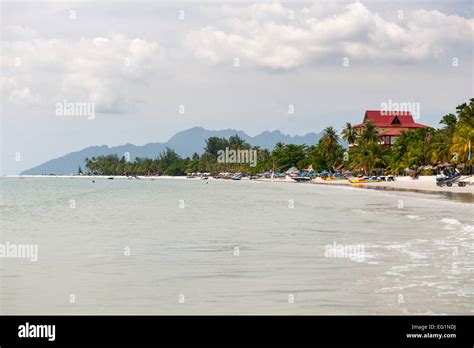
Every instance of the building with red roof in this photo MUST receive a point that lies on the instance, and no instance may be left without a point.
(389, 124)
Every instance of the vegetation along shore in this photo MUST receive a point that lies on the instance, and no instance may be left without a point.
(420, 150)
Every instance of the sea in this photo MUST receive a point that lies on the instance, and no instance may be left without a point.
(169, 246)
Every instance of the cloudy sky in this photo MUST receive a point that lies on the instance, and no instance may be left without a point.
(152, 69)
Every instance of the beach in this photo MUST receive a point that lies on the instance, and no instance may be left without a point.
(423, 183)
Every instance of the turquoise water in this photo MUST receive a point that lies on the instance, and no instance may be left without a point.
(187, 246)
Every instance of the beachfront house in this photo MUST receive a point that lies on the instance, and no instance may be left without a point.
(389, 124)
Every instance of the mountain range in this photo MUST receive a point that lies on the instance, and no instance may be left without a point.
(185, 143)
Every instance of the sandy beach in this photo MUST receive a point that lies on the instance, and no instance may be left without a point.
(423, 183)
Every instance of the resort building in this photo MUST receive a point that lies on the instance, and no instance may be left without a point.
(389, 124)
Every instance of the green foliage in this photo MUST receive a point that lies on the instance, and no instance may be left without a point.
(289, 155)
(368, 156)
(167, 163)
(349, 134)
(412, 149)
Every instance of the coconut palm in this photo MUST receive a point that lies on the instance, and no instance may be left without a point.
(330, 138)
(440, 147)
(369, 132)
(463, 139)
(370, 155)
(463, 135)
(349, 134)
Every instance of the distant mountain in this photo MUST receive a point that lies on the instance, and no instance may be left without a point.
(185, 143)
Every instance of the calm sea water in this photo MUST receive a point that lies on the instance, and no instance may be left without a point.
(415, 253)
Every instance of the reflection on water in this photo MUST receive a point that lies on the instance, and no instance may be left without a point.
(185, 246)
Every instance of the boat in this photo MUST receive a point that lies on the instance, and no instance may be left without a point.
(301, 178)
(236, 176)
(372, 179)
(364, 180)
(356, 180)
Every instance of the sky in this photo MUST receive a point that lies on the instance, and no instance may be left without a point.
(149, 69)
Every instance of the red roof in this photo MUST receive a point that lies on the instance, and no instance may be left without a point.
(393, 131)
(390, 119)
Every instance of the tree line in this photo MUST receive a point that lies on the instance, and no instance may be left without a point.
(451, 143)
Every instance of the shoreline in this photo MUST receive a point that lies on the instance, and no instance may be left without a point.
(423, 185)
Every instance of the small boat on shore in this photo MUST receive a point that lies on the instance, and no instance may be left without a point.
(237, 176)
(364, 180)
(356, 180)
(301, 178)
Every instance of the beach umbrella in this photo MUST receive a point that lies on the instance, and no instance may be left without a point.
(292, 170)
(408, 170)
(324, 172)
(346, 172)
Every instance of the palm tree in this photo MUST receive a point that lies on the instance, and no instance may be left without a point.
(369, 132)
(237, 143)
(463, 139)
(440, 150)
(370, 155)
(330, 137)
(466, 114)
(463, 135)
(349, 134)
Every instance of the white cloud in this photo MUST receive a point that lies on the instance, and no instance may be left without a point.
(101, 70)
(18, 32)
(7, 83)
(265, 35)
(23, 96)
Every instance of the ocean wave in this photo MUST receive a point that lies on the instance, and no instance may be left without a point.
(415, 217)
(359, 211)
(453, 224)
(468, 228)
(451, 221)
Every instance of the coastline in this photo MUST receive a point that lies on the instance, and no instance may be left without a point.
(406, 183)
(424, 185)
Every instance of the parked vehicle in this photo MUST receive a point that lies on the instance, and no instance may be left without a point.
(449, 179)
